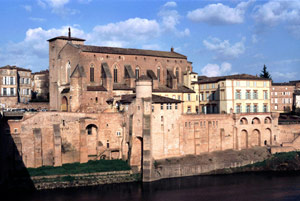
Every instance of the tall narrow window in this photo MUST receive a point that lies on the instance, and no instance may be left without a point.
(177, 74)
(92, 78)
(115, 74)
(137, 72)
(68, 71)
(158, 74)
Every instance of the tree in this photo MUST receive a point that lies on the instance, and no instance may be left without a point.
(265, 73)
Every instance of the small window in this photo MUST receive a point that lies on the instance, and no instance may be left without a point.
(118, 133)
(176, 106)
(16, 130)
(89, 130)
(162, 118)
(107, 144)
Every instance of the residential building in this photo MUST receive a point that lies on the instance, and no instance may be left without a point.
(15, 85)
(282, 97)
(241, 93)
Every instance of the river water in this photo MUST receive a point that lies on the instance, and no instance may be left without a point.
(235, 187)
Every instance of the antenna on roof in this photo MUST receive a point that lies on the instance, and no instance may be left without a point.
(69, 33)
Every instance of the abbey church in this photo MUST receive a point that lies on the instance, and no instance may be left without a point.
(142, 106)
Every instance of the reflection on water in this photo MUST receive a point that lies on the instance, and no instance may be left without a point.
(240, 187)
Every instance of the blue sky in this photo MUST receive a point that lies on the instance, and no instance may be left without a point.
(219, 37)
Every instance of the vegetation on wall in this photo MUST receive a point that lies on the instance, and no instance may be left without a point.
(80, 168)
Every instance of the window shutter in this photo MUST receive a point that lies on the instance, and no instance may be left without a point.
(14, 91)
(7, 80)
(14, 80)
(8, 91)
(2, 91)
(3, 79)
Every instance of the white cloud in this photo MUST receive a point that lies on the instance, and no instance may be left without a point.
(274, 13)
(218, 14)
(170, 18)
(170, 4)
(27, 8)
(223, 49)
(57, 7)
(213, 70)
(131, 30)
(284, 76)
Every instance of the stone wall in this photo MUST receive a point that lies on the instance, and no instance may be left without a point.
(79, 180)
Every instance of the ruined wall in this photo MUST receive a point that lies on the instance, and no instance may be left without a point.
(51, 138)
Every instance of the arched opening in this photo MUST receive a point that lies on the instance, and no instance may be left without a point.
(267, 136)
(92, 138)
(243, 121)
(255, 138)
(244, 139)
(158, 73)
(64, 104)
(255, 120)
(137, 72)
(268, 120)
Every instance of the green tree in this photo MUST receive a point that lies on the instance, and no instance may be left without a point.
(265, 73)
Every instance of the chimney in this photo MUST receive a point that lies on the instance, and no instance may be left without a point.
(69, 35)
(172, 49)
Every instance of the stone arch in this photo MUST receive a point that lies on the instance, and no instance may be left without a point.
(243, 121)
(254, 139)
(255, 120)
(267, 137)
(92, 139)
(268, 120)
(244, 139)
(64, 104)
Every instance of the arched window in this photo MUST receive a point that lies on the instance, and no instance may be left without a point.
(158, 74)
(177, 74)
(115, 74)
(137, 72)
(92, 78)
(68, 71)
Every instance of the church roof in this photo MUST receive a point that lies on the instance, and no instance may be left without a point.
(155, 99)
(130, 51)
(65, 38)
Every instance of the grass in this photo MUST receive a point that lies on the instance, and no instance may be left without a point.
(277, 158)
(80, 168)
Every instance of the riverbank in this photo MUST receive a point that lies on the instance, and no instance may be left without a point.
(279, 162)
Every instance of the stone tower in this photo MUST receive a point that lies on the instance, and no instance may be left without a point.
(143, 112)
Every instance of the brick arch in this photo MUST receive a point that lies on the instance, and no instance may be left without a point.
(243, 121)
(255, 120)
(92, 139)
(64, 104)
(255, 137)
(267, 137)
(268, 120)
(244, 139)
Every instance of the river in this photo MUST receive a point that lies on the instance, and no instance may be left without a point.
(235, 187)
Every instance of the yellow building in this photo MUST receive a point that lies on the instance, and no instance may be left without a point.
(240, 93)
